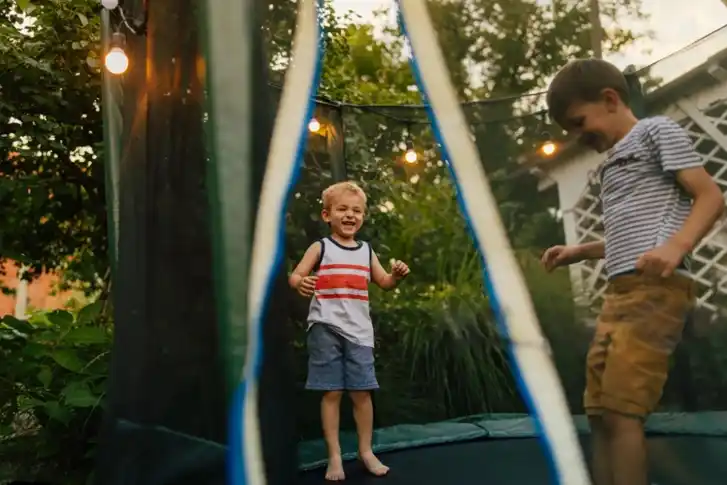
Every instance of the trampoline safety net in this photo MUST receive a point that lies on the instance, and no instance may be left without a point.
(447, 410)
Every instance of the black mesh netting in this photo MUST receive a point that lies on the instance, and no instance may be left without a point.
(438, 354)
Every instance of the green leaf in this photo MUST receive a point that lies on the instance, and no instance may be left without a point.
(23, 4)
(57, 411)
(83, 19)
(45, 376)
(15, 324)
(30, 403)
(79, 395)
(90, 313)
(87, 335)
(68, 359)
(34, 349)
(60, 318)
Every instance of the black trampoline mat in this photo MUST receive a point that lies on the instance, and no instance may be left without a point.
(674, 460)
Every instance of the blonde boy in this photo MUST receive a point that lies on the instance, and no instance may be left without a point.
(340, 331)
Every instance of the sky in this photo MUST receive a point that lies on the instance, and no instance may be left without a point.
(675, 23)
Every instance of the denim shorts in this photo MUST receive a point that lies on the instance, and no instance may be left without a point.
(336, 364)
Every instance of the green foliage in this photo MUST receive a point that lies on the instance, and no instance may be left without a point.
(439, 354)
(52, 384)
(51, 172)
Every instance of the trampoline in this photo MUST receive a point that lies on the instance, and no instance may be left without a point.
(505, 450)
(215, 403)
(676, 460)
(684, 449)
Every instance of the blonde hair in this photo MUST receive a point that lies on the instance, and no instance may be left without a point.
(334, 191)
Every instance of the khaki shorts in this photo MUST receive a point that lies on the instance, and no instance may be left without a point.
(640, 325)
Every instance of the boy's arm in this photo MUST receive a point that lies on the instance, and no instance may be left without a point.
(707, 208)
(380, 276)
(592, 250)
(306, 265)
(677, 155)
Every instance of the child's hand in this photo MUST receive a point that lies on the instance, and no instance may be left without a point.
(557, 256)
(307, 286)
(399, 269)
(662, 260)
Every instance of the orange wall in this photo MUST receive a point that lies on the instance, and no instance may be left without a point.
(7, 302)
(39, 291)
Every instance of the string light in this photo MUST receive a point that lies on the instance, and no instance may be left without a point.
(314, 126)
(116, 60)
(411, 156)
(110, 4)
(549, 148)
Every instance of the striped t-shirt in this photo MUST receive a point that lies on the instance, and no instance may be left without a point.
(643, 204)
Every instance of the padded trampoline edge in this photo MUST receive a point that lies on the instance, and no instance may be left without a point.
(167, 456)
(312, 454)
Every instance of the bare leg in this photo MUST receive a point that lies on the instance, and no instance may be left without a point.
(330, 416)
(363, 414)
(600, 452)
(627, 445)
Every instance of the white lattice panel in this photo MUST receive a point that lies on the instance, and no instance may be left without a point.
(709, 261)
(587, 215)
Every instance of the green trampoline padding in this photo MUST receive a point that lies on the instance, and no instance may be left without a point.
(312, 454)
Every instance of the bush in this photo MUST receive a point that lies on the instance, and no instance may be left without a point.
(52, 384)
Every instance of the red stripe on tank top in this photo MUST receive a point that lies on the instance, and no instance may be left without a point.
(342, 296)
(345, 266)
(342, 281)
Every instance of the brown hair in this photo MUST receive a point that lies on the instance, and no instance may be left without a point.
(583, 80)
(333, 191)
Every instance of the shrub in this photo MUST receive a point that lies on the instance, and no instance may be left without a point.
(52, 383)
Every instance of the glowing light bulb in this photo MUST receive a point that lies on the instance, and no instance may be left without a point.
(116, 61)
(410, 156)
(549, 148)
(110, 4)
(314, 126)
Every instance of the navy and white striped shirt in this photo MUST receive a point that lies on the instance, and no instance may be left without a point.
(643, 204)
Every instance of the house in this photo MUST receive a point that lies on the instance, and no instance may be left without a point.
(697, 100)
(41, 293)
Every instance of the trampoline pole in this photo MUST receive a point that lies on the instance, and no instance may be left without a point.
(335, 137)
(511, 302)
(112, 123)
(261, 429)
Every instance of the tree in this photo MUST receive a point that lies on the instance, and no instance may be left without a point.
(505, 49)
(50, 103)
(51, 169)
(494, 50)
(411, 206)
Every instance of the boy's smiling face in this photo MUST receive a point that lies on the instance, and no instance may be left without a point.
(597, 124)
(345, 215)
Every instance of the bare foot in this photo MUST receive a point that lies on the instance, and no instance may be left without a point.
(373, 465)
(334, 472)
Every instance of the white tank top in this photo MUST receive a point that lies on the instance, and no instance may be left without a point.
(341, 299)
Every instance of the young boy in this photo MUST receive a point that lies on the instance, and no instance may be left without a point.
(658, 202)
(340, 332)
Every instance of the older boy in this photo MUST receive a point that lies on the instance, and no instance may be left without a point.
(658, 202)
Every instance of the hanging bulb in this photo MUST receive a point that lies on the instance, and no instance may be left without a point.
(314, 125)
(116, 60)
(110, 4)
(411, 156)
(548, 148)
